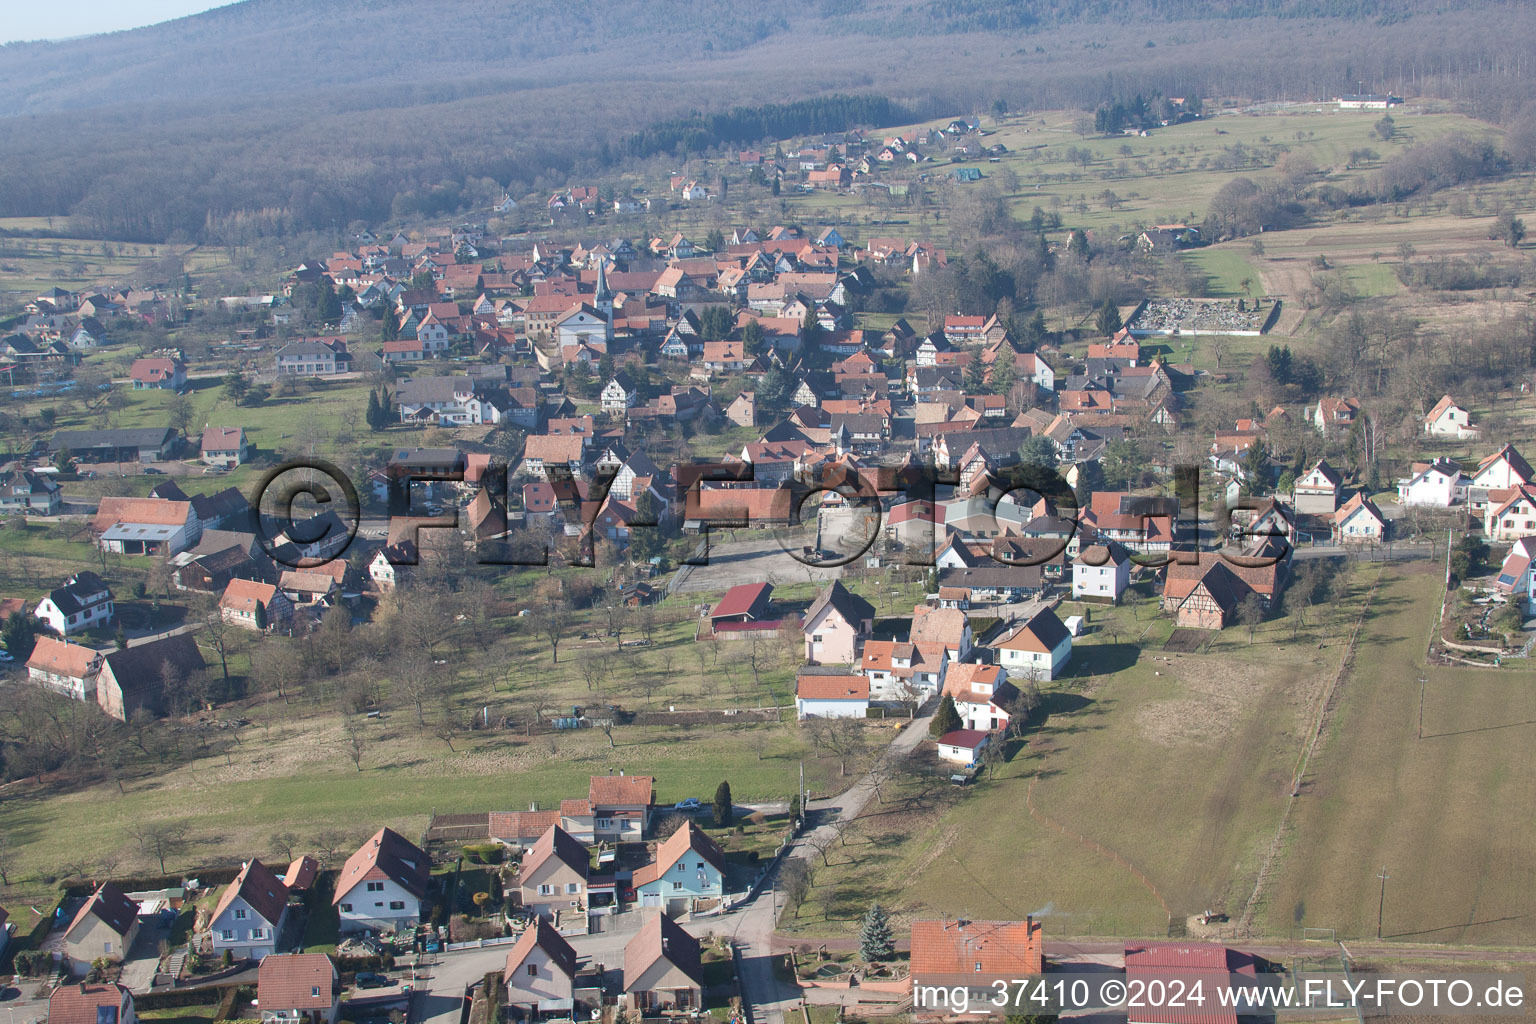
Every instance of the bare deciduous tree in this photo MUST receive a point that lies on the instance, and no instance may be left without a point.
(160, 839)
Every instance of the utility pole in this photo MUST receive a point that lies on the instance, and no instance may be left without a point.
(1422, 680)
(1382, 906)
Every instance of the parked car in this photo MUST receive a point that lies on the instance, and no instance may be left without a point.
(689, 806)
(368, 979)
(5, 655)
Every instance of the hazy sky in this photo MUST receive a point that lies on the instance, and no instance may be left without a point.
(61, 19)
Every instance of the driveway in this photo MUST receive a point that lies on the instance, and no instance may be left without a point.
(143, 959)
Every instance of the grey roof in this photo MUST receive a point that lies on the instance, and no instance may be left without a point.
(141, 666)
(132, 437)
(992, 578)
(70, 598)
(849, 605)
(420, 390)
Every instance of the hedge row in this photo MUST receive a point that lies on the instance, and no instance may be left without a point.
(370, 962)
(177, 997)
(205, 876)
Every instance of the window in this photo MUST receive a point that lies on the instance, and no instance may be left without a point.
(239, 914)
(106, 947)
(257, 933)
(375, 886)
(978, 965)
(677, 885)
(396, 904)
(346, 908)
(533, 970)
(572, 887)
(545, 890)
(314, 991)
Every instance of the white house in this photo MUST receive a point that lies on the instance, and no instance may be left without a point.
(1516, 580)
(1503, 469)
(540, 975)
(1101, 572)
(1039, 649)
(1513, 518)
(1359, 521)
(831, 692)
(982, 694)
(1449, 420)
(1439, 484)
(1317, 492)
(619, 394)
(963, 746)
(83, 602)
(249, 915)
(381, 887)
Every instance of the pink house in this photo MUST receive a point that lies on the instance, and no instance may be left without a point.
(836, 625)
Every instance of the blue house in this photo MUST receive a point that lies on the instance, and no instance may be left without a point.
(967, 173)
(689, 868)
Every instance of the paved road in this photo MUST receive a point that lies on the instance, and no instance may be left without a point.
(757, 921)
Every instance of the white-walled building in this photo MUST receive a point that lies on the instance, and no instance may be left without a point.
(381, 887)
(831, 692)
(1101, 572)
(83, 602)
(1037, 650)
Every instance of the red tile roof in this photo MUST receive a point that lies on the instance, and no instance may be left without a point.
(1002, 948)
(386, 855)
(262, 891)
(621, 790)
(296, 981)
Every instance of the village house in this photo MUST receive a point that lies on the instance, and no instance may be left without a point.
(1036, 650)
(137, 677)
(687, 875)
(949, 627)
(63, 667)
(835, 626)
(1438, 484)
(83, 602)
(251, 604)
(1359, 521)
(1193, 966)
(158, 372)
(963, 746)
(1332, 415)
(621, 806)
(903, 670)
(298, 988)
(990, 949)
(1500, 472)
(81, 1003)
(25, 492)
(1516, 580)
(248, 919)
(1101, 572)
(225, 446)
(540, 974)
(1513, 517)
(982, 694)
(383, 886)
(618, 394)
(313, 357)
(830, 691)
(663, 972)
(1447, 420)
(102, 929)
(554, 874)
(1317, 491)
(1208, 593)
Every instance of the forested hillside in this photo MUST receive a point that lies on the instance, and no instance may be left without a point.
(279, 115)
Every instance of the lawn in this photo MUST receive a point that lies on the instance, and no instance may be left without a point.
(1226, 269)
(1151, 789)
(1452, 817)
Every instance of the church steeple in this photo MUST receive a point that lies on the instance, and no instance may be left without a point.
(603, 298)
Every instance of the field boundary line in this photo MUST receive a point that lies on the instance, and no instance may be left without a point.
(1326, 705)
